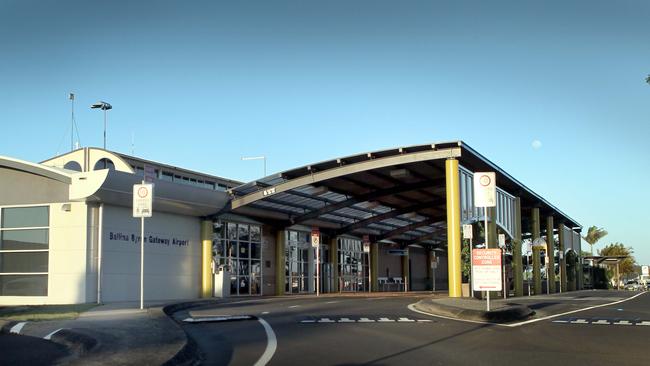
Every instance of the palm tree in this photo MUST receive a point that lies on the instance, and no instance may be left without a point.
(593, 235)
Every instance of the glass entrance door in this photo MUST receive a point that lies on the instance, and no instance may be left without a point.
(353, 266)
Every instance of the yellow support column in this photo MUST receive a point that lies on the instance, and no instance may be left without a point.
(280, 276)
(405, 270)
(550, 245)
(374, 266)
(535, 231)
(206, 258)
(334, 262)
(453, 228)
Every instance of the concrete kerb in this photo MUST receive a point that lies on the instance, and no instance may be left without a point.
(501, 315)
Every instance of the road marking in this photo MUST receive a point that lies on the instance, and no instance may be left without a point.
(424, 320)
(326, 320)
(17, 328)
(294, 306)
(271, 345)
(308, 321)
(623, 322)
(385, 320)
(405, 320)
(366, 320)
(601, 322)
(346, 320)
(645, 322)
(412, 308)
(49, 336)
(580, 321)
(560, 321)
(223, 318)
(332, 302)
(265, 312)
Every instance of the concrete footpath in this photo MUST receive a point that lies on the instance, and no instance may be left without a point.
(115, 334)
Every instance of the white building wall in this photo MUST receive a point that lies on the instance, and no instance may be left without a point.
(172, 262)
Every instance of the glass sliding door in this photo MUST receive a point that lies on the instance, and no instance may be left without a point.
(238, 248)
(353, 265)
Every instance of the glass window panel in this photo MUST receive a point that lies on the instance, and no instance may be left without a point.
(234, 266)
(256, 233)
(293, 236)
(244, 251)
(24, 239)
(233, 285)
(256, 250)
(286, 284)
(302, 237)
(304, 254)
(234, 249)
(217, 248)
(256, 285)
(243, 232)
(295, 285)
(244, 283)
(244, 267)
(23, 262)
(232, 231)
(25, 217)
(256, 267)
(23, 285)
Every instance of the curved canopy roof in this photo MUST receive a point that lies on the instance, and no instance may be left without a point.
(396, 194)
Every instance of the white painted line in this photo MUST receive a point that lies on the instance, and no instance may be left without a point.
(645, 322)
(623, 322)
(308, 321)
(366, 320)
(217, 318)
(424, 321)
(271, 345)
(573, 311)
(560, 321)
(326, 320)
(601, 322)
(332, 302)
(412, 308)
(294, 306)
(49, 336)
(405, 320)
(580, 321)
(346, 320)
(17, 328)
(385, 320)
(265, 312)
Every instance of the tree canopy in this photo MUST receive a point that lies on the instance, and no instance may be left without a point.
(627, 266)
(594, 234)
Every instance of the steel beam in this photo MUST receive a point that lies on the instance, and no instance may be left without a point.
(405, 229)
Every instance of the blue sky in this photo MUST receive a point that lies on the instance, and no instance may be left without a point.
(201, 84)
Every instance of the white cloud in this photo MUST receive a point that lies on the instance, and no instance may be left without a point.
(536, 144)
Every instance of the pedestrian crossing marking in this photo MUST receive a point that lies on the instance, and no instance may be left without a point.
(600, 321)
(314, 320)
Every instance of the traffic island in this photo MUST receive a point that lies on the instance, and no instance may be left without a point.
(475, 310)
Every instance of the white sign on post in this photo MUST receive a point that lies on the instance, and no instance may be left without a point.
(645, 270)
(142, 200)
(487, 269)
(467, 231)
(485, 189)
(502, 240)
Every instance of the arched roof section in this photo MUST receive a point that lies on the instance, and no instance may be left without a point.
(87, 158)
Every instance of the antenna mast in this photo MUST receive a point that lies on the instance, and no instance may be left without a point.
(71, 97)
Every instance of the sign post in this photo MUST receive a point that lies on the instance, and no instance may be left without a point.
(485, 196)
(468, 234)
(315, 243)
(366, 249)
(487, 270)
(142, 207)
(502, 245)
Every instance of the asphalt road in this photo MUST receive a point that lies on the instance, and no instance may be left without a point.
(24, 350)
(383, 331)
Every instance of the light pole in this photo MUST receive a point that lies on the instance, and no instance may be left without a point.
(104, 107)
(262, 157)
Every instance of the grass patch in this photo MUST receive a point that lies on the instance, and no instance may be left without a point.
(43, 312)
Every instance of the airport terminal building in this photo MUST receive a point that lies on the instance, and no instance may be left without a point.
(386, 220)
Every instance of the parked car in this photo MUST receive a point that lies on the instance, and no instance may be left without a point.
(633, 285)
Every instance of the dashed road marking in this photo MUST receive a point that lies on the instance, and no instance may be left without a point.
(17, 328)
(294, 306)
(600, 321)
(332, 302)
(363, 320)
